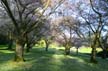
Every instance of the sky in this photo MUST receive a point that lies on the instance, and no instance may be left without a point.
(68, 9)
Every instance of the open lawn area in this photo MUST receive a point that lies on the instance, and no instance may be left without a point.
(53, 60)
(53, 35)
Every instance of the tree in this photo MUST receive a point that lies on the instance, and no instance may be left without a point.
(101, 8)
(7, 32)
(26, 16)
(33, 37)
(24, 23)
(48, 34)
(92, 13)
(77, 43)
(65, 28)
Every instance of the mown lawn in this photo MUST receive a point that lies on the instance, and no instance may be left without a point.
(53, 60)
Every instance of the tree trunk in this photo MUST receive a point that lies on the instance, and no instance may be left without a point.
(10, 45)
(104, 55)
(67, 50)
(47, 45)
(28, 48)
(93, 46)
(77, 51)
(93, 55)
(19, 51)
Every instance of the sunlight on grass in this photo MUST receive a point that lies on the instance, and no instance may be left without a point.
(87, 50)
(15, 66)
(8, 66)
(53, 60)
(6, 51)
(3, 46)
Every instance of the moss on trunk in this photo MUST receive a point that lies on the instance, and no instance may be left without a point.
(19, 51)
(93, 56)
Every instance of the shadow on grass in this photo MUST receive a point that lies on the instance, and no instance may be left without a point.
(3, 47)
(5, 56)
(38, 53)
(54, 60)
(51, 61)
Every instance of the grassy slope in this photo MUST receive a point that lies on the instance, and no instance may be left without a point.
(54, 60)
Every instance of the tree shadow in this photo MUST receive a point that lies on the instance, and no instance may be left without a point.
(46, 61)
(37, 60)
(5, 56)
(58, 62)
(54, 60)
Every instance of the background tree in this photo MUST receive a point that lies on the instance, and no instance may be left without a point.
(26, 17)
(66, 28)
(92, 13)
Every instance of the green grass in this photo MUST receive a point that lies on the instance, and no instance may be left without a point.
(53, 60)
(3, 46)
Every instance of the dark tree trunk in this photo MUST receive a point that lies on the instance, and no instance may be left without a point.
(10, 45)
(28, 48)
(67, 50)
(104, 55)
(19, 51)
(93, 55)
(77, 51)
(93, 46)
(47, 45)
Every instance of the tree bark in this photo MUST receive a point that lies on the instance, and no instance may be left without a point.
(93, 46)
(10, 45)
(93, 52)
(104, 55)
(28, 48)
(67, 50)
(19, 51)
(93, 55)
(47, 45)
(77, 51)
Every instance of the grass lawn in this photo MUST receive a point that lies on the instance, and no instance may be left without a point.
(53, 60)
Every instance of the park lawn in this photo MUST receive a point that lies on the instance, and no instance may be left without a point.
(3, 46)
(53, 60)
